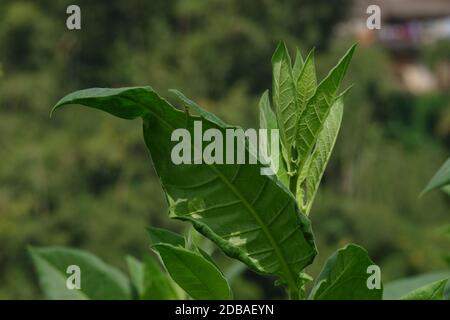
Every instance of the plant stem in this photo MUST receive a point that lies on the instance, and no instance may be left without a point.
(293, 184)
(293, 294)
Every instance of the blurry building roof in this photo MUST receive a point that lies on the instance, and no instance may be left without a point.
(407, 27)
(404, 9)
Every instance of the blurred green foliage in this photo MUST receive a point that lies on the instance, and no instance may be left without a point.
(84, 180)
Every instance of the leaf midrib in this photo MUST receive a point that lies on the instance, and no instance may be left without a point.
(250, 208)
(436, 291)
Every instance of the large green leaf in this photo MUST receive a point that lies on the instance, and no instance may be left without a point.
(432, 291)
(283, 93)
(344, 277)
(398, 288)
(318, 107)
(251, 217)
(314, 169)
(151, 282)
(192, 272)
(98, 280)
(440, 179)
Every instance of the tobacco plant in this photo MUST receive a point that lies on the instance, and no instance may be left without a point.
(259, 220)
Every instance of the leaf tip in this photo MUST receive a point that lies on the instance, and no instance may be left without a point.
(63, 101)
(310, 56)
(280, 51)
(52, 111)
(423, 192)
(352, 50)
(346, 91)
